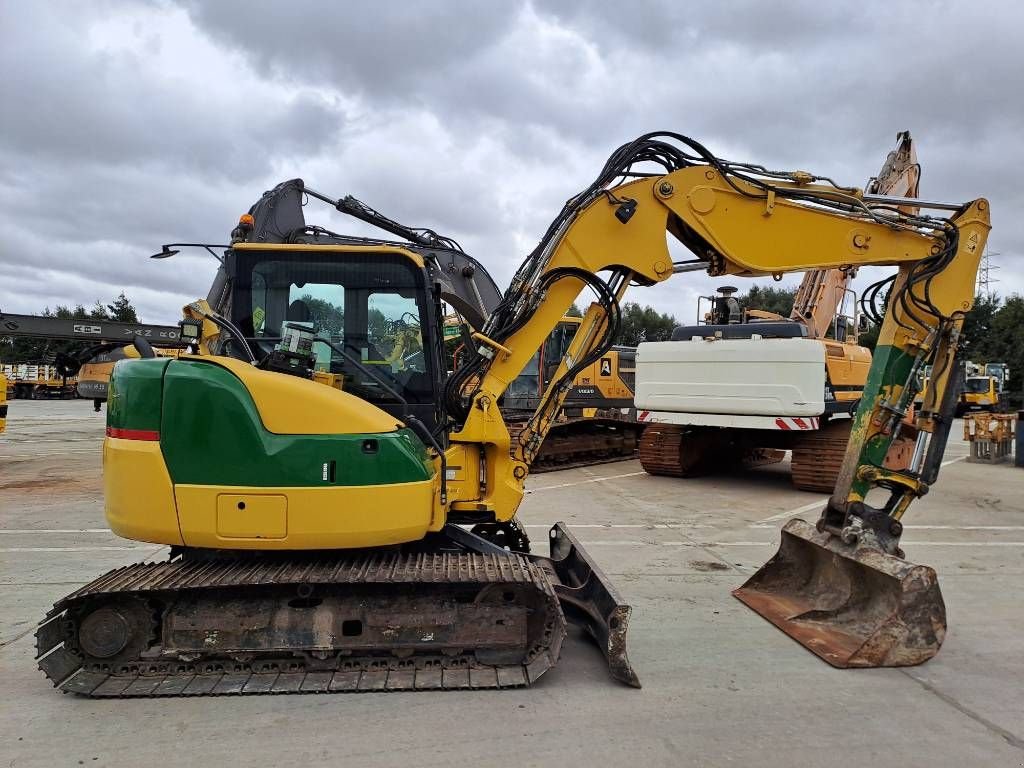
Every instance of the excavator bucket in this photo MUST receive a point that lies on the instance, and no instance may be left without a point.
(852, 605)
(589, 599)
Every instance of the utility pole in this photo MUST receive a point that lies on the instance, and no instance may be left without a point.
(985, 270)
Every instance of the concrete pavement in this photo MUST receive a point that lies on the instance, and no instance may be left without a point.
(721, 685)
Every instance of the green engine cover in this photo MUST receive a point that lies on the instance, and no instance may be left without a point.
(211, 433)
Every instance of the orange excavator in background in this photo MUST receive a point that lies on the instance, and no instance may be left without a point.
(766, 383)
(821, 293)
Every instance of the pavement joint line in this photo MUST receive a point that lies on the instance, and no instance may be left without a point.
(55, 530)
(72, 549)
(936, 527)
(798, 510)
(645, 526)
(705, 544)
(584, 482)
(1012, 739)
(45, 455)
(16, 638)
(952, 461)
(61, 440)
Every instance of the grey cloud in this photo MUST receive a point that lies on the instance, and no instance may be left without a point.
(129, 125)
(382, 51)
(116, 107)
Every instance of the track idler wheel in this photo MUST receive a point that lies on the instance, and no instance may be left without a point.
(115, 631)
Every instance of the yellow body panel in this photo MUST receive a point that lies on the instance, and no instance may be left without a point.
(848, 366)
(339, 517)
(412, 256)
(604, 375)
(289, 405)
(252, 516)
(463, 476)
(137, 490)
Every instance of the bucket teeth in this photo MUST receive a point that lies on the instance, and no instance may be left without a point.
(851, 605)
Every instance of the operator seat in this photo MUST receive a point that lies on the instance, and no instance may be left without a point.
(298, 312)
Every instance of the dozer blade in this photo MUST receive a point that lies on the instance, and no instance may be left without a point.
(589, 599)
(852, 605)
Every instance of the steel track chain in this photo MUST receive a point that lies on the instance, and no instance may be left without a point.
(70, 671)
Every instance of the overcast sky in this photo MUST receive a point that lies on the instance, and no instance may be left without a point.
(127, 125)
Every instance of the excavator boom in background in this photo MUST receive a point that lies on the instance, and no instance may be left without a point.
(83, 373)
(822, 291)
(317, 534)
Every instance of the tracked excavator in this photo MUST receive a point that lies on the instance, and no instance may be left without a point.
(319, 536)
(597, 423)
(748, 385)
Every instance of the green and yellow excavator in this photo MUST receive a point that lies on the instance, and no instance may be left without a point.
(320, 537)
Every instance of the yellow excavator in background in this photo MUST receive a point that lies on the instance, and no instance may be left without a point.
(317, 536)
(597, 423)
(982, 389)
(751, 384)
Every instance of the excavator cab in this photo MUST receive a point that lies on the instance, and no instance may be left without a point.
(373, 306)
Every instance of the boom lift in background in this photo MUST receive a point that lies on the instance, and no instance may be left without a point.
(748, 385)
(316, 535)
(104, 343)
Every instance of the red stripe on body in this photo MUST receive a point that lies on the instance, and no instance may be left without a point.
(133, 434)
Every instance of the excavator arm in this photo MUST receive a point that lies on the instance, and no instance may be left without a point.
(745, 220)
(733, 225)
